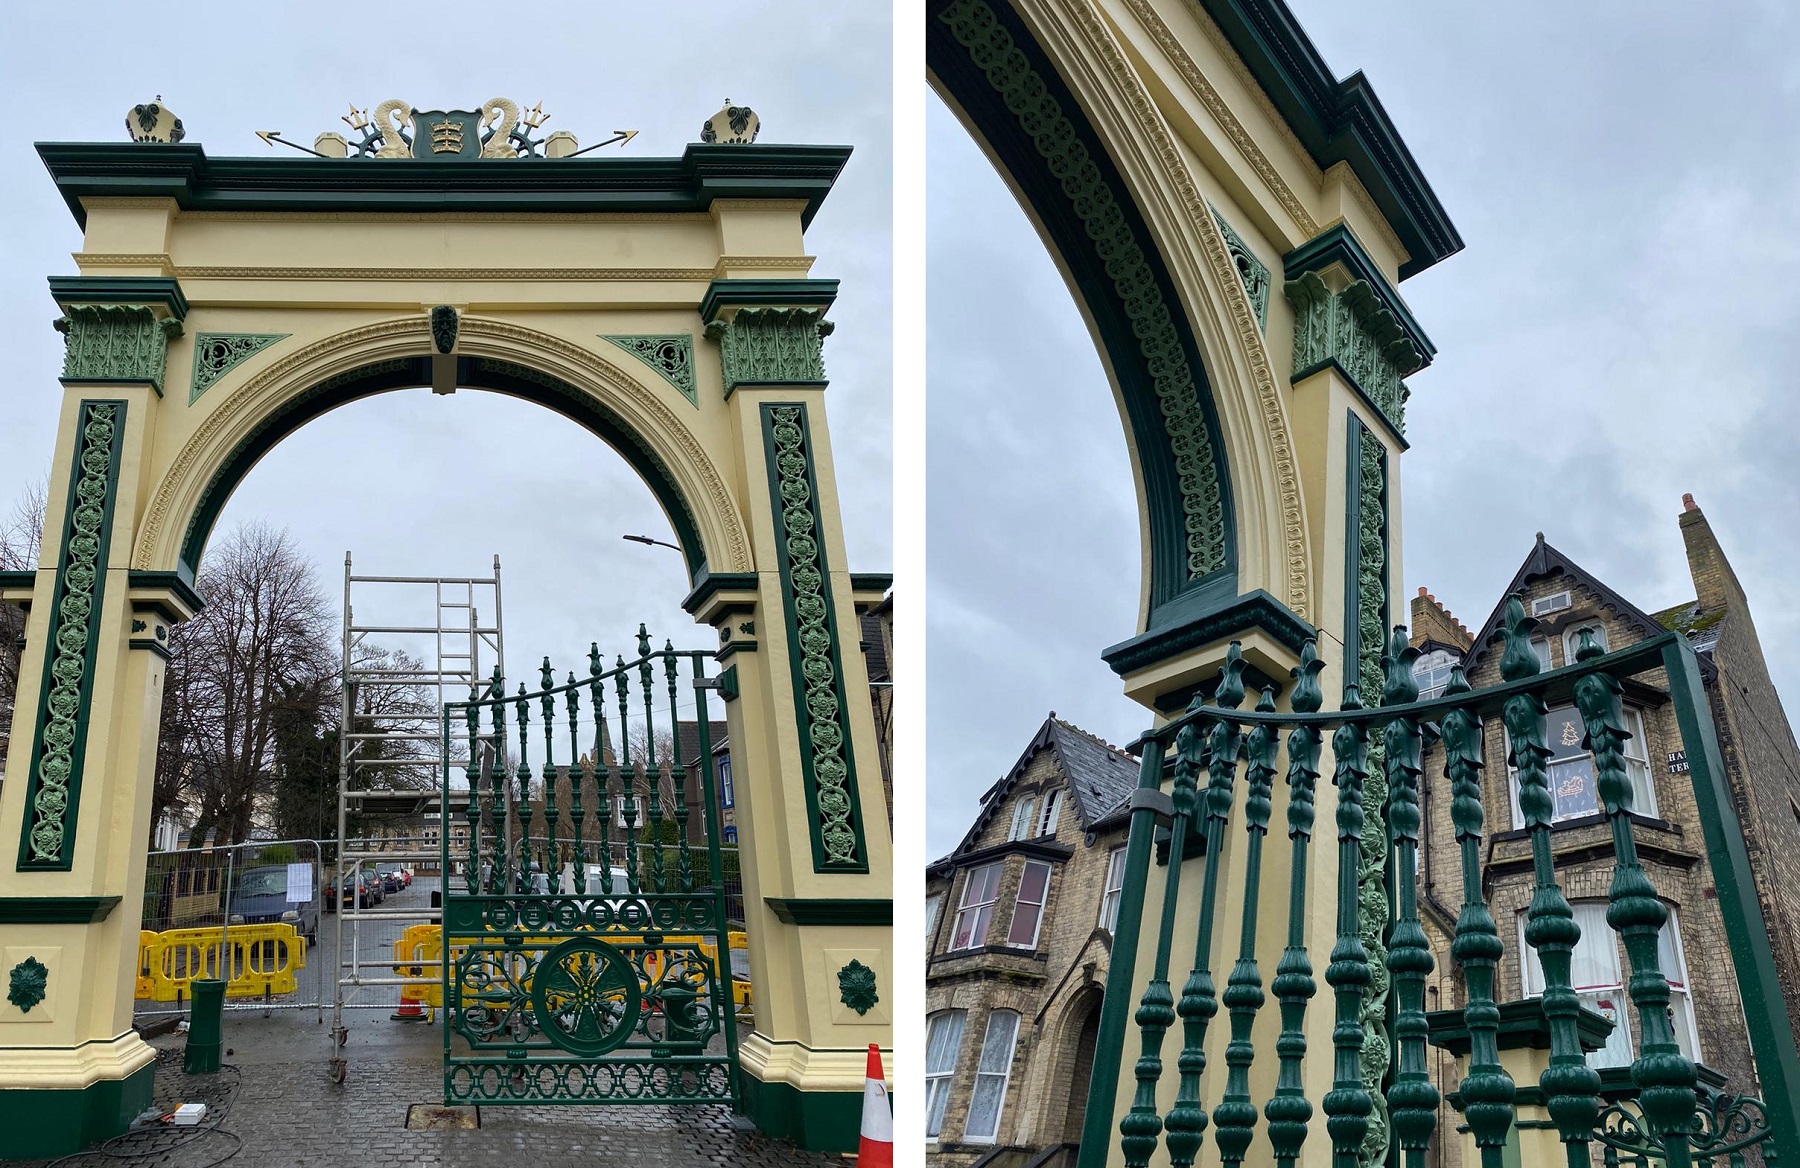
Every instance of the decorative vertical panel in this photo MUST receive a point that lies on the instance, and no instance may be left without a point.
(1365, 622)
(671, 356)
(832, 806)
(53, 789)
(216, 354)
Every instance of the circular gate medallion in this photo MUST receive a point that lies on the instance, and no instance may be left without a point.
(586, 996)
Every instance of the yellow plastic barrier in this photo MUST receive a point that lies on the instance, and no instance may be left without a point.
(148, 945)
(262, 960)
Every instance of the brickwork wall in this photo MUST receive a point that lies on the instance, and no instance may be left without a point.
(1054, 988)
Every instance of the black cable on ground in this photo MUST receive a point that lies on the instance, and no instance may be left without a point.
(162, 1138)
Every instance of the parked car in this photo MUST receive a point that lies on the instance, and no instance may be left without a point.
(361, 890)
(261, 897)
(391, 881)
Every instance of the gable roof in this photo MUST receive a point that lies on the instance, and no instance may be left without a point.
(1542, 563)
(1099, 774)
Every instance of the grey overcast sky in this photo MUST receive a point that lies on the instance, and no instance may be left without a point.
(417, 485)
(1620, 329)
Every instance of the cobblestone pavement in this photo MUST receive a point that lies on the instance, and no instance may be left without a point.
(287, 1114)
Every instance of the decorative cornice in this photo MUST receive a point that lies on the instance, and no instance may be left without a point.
(690, 183)
(711, 584)
(100, 259)
(587, 275)
(55, 910)
(723, 294)
(1252, 612)
(156, 291)
(831, 910)
(1339, 245)
(771, 346)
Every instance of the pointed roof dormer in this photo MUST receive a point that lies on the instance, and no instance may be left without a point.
(1544, 562)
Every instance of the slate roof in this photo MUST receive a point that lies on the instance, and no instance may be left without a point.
(1099, 774)
(1543, 562)
(690, 740)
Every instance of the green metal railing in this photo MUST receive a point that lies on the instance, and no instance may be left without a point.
(569, 987)
(1672, 1120)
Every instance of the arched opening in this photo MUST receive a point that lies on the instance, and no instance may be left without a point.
(1081, 1032)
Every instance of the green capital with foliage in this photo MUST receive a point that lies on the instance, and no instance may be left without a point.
(771, 346)
(115, 342)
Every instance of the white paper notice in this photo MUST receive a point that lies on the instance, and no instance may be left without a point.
(299, 883)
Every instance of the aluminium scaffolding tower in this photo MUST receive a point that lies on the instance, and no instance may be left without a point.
(392, 748)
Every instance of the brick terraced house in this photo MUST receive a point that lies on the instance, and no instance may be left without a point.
(1762, 765)
(1019, 922)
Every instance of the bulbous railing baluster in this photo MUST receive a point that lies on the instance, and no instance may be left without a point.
(1349, 1103)
(602, 796)
(577, 778)
(1187, 1118)
(522, 709)
(1235, 1114)
(1289, 1109)
(627, 798)
(471, 810)
(552, 849)
(648, 764)
(1487, 1090)
(1412, 1100)
(1665, 1077)
(500, 859)
(1571, 1087)
(684, 865)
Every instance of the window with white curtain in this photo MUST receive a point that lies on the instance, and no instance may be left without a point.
(1052, 811)
(980, 890)
(1598, 974)
(1570, 767)
(1024, 815)
(943, 1039)
(991, 1075)
(1431, 673)
(1572, 640)
(1541, 646)
(1028, 906)
(1115, 888)
(932, 905)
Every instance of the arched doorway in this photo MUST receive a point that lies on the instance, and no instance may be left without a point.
(223, 303)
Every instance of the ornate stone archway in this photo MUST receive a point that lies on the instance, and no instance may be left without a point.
(664, 303)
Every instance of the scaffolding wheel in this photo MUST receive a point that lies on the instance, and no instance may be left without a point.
(339, 1069)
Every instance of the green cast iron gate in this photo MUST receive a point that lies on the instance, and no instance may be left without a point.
(584, 948)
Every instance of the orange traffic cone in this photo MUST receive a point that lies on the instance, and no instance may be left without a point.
(877, 1147)
(411, 1010)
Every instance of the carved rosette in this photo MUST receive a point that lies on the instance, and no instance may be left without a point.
(55, 775)
(856, 987)
(1354, 329)
(1153, 319)
(813, 643)
(115, 342)
(771, 346)
(29, 981)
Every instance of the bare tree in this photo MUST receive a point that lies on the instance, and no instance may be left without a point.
(266, 630)
(21, 538)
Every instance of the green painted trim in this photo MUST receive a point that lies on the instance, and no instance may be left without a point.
(871, 581)
(1338, 121)
(771, 346)
(55, 910)
(161, 290)
(1337, 244)
(1352, 330)
(1252, 612)
(722, 294)
(174, 582)
(710, 584)
(156, 647)
(831, 910)
(670, 355)
(52, 806)
(819, 1121)
(113, 344)
(26, 578)
(475, 373)
(731, 649)
(233, 350)
(988, 61)
(586, 185)
(1523, 1025)
(827, 756)
(36, 1125)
